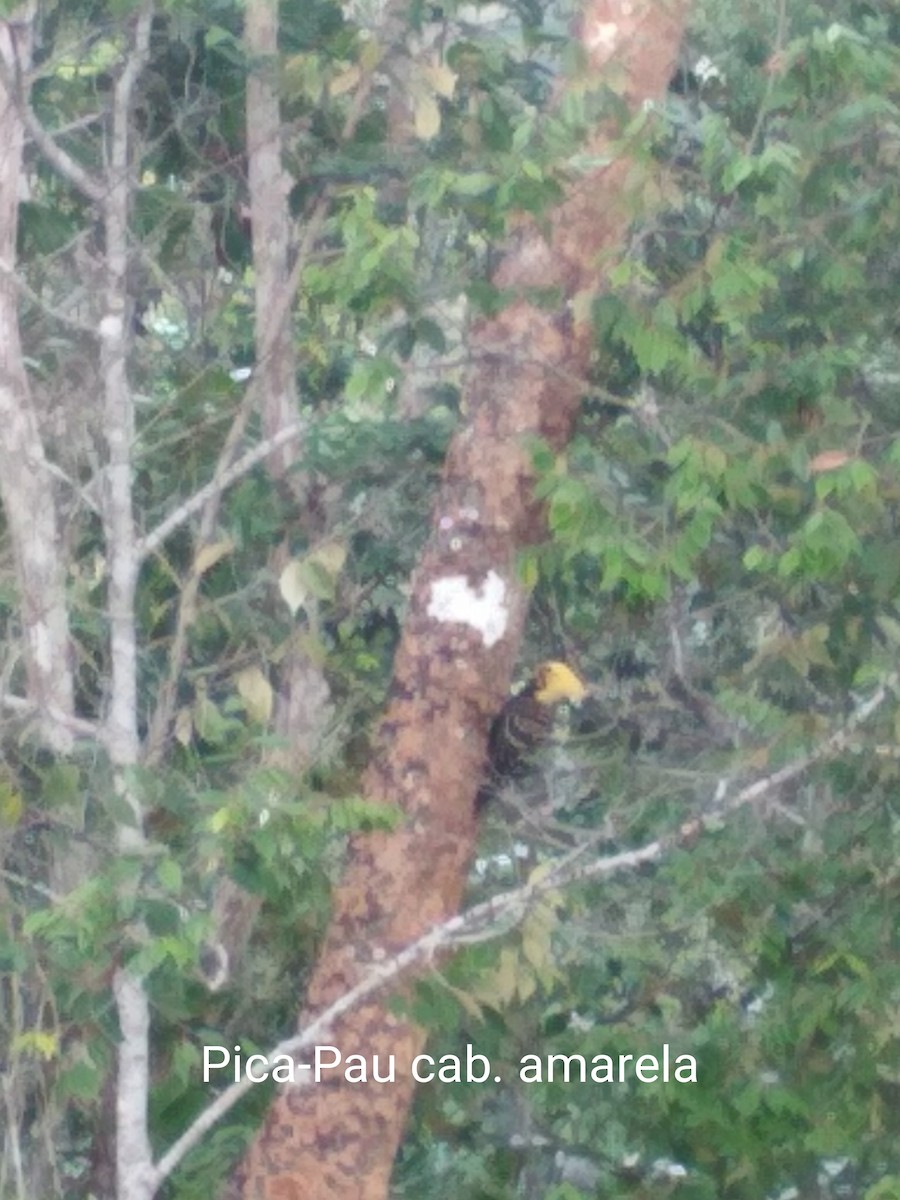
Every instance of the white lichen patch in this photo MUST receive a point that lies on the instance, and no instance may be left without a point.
(602, 37)
(111, 327)
(483, 607)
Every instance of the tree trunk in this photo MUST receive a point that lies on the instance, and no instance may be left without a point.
(25, 480)
(337, 1140)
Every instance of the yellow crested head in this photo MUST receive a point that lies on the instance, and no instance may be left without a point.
(554, 682)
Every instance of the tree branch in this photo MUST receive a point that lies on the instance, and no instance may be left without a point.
(65, 164)
(42, 306)
(207, 501)
(28, 708)
(223, 477)
(12, 78)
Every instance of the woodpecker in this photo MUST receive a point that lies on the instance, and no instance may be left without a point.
(525, 724)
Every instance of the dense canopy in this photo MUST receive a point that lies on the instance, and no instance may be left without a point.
(250, 258)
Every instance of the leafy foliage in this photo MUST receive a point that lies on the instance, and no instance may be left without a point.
(728, 508)
(726, 513)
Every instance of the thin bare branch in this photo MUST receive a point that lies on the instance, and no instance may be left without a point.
(42, 305)
(31, 885)
(28, 708)
(222, 479)
(187, 600)
(763, 110)
(12, 79)
(65, 164)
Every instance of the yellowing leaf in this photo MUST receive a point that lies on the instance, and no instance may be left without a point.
(36, 1041)
(528, 570)
(499, 986)
(312, 577)
(10, 803)
(513, 978)
(581, 304)
(526, 984)
(302, 75)
(330, 556)
(211, 554)
(292, 586)
(541, 871)
(441, 79)
(426, 117)
(220, 820)
(537, 933)
(184, 726)
(346, 81)
(506, 977)
(536, 946)
(256, 692)
(371, 54)
(828, 460)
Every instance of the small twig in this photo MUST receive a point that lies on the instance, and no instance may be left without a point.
(39, 303)
(77, 725)
(770, 80)
(205, 501)
(221, 480)
(65, 164)
(32, 885)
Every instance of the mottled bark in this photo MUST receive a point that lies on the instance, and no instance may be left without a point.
(303, 707)
(270, 224)
(133, 1153)
(303, 704)
(460, 641)
(25, 481)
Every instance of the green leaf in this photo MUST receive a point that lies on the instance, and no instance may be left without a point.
(170, 877)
